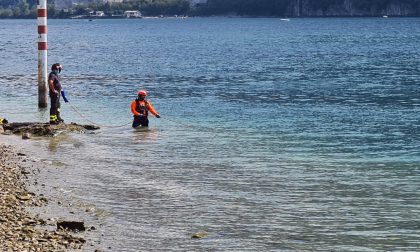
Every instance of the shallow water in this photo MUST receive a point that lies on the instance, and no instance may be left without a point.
(287, 136)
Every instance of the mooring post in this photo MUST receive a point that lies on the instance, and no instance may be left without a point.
(42, 53)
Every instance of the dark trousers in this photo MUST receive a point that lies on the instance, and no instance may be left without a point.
(55, 108)
(140, 120)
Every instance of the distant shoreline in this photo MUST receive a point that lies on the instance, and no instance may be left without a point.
(214, 16)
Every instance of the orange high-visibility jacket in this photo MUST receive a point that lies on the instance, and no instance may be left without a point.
(145, 104)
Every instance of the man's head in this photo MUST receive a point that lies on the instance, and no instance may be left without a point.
(57, 67)
(142, 94)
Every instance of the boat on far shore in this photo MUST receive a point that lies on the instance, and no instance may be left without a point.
(132, 14)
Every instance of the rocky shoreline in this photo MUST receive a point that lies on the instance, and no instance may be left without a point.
(21, 230)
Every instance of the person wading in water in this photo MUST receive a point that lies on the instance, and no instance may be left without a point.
(54, 84)
(140, 108)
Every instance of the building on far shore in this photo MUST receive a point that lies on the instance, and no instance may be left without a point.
(132, 14)
(96, 14)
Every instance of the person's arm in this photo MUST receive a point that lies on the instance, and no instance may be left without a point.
(133, 109)
(152, 110)
(51, 84)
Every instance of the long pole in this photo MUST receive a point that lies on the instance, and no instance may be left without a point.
(42, 53)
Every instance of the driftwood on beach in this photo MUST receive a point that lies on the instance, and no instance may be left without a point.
(45, 129)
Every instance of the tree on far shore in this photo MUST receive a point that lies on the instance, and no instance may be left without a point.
(291, 8)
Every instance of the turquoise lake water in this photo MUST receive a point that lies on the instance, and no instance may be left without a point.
(274, 136)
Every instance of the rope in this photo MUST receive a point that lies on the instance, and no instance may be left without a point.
(213, 130)
(183, 124)
(94, 123)
(77, 111)
(124, 125)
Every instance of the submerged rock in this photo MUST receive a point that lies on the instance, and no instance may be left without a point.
(26, 136)
(71, 225)
(199, 235)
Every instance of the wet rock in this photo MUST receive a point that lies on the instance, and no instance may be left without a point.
(24, 197)
(43, 199)
(7, 132)
(26, 135)
(199, 235)
(71, 225)
(90, 127)
(24, 172)
(46, 129)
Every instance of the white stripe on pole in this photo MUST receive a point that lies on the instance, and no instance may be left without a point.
(42, 37)
(42, 4)
(42, 21)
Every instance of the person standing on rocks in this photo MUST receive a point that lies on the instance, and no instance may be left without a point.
(54, 84)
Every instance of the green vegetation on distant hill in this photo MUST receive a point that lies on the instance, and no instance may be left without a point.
(27, 9)
(148, 8)
(290, 8)
(311, 8)
(17, 8)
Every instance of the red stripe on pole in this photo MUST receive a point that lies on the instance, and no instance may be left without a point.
(42, 46)
(42, 12)
(42, 29)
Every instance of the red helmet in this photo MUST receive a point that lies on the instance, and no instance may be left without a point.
(142, 93)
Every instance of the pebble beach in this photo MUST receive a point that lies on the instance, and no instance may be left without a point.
(20, 228)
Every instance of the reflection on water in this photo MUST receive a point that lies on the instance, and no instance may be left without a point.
(54, 142)
(142, 135)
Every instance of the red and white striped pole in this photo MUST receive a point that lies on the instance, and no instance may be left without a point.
(42, 53)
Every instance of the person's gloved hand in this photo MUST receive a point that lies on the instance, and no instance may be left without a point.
(63, 94)
(157, 116)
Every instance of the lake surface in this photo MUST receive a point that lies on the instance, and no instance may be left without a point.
(274, 136)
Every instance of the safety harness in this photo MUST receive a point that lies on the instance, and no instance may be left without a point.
(142, 109)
